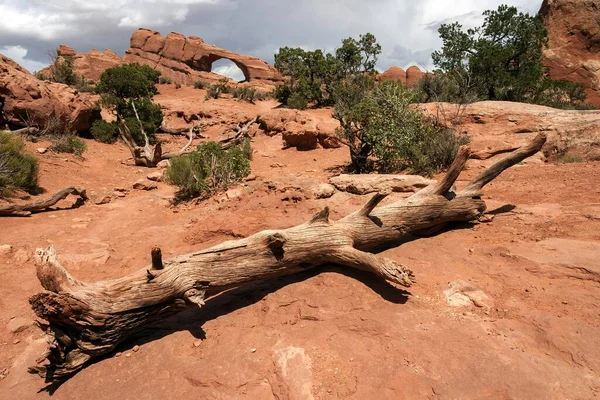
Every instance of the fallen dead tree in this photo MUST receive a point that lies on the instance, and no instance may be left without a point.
(87, 320)
(25, 210)
(147, 156)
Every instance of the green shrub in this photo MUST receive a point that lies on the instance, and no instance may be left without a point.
(569, 158)
(178, 86)
(200, 85)
(213, 92)
(18, 170)
(164, 80)
(208, 169)
(68, 144)
(104, 132)
(297, 101)
(384, 132)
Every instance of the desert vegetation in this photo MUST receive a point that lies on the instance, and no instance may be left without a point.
(209, 168)
(18, 169)
(499, 60)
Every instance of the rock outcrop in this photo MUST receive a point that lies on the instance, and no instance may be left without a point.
(89, 65)
(302, 130)
(189, 59)
(499, 124)
(24, 98)
(574, 43)
(410, 77)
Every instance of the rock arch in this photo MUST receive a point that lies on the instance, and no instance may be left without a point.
(188, 59)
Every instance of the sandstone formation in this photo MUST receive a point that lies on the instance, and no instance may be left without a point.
(574, 43)
(189, 59)
(26, 99)
(302, 130)
(89, 65)
(410, 77)
(499, 124)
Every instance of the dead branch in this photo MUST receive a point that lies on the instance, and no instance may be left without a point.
(26, 131)
(88, 320)
(147, 156)
(241, 132)
(489, 153)
(26, 210)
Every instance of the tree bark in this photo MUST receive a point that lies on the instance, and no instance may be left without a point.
(25, 210)
(88, 320)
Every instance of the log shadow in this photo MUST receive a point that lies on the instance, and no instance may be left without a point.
(502, 210)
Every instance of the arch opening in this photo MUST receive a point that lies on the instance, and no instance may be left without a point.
(228, 69)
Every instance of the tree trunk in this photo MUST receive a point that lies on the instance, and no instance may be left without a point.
(88, 320)
(25, 210)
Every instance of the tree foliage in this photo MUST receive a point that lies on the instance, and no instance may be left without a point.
(383, 131)
(129, 88)
(314, 75)
(500, 60)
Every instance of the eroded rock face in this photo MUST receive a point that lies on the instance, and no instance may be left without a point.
(91, 64)
(300, 129)
(574, 43)
(189, 59)
(500, 124)
(410, 77)
(23, 98)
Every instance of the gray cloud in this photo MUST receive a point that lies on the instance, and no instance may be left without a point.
(406, 29)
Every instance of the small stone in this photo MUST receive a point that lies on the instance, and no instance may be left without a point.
(17, 325)
(128, 355)
(136, 348)
(250, 178)
(119, 354)
(163, 164)
(16, 341)
(120, 194)
(324, 191)
(565, 302)
(156, 176)
(144, 184)
(197, 343)
(234, 193)
(102, 199)
(253, 350)
(5, 249)
(41, 150)
(121, 189)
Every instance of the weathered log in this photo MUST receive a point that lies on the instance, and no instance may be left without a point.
(25, 210)
(88, 320)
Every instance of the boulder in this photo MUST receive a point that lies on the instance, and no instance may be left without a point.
(375, 183)
(573, 52)
(156, 176)
(302, 137)
(23, 97)
(324, 191)
(186, 60)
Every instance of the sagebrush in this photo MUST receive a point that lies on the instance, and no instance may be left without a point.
(18, 169)
(209, 168)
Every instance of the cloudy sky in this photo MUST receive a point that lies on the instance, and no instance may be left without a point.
(406, 29)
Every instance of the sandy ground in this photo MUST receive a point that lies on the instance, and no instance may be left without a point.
(532, 331)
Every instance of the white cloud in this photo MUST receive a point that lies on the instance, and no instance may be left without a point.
(406, 29)
(18, 54)
(229, 69)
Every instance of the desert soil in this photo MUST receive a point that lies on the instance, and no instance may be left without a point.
(508, 309)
